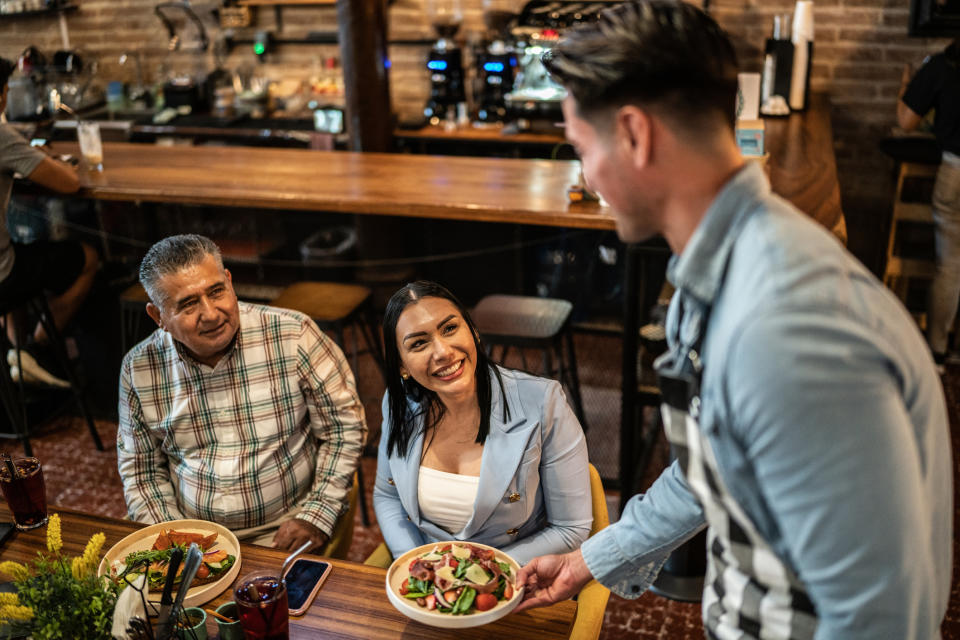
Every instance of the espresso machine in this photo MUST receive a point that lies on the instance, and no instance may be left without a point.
(445, 62)
(495, 62)
(535, 100)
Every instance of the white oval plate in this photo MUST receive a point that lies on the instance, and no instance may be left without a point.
(398, 573)
(143, 539)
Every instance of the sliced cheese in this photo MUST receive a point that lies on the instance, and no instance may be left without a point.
(445, 573)
(460, 552)
(476, 574)
(433, 556)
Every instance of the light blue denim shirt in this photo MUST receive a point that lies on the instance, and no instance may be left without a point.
(827, 418)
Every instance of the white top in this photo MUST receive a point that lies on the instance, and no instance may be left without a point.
(446, 499)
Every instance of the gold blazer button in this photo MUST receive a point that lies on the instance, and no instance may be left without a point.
(408, 519)
(512, 532)
(514, 497)
(390, 481)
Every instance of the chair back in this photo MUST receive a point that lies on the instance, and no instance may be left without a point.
(339, 543)
(592, 599)
(601, 516)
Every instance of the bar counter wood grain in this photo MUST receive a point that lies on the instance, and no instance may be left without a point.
(351, 604)
(519, 191)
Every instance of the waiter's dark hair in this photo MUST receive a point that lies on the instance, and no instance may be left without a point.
(6, 70)
(401, 415)
(660, 54)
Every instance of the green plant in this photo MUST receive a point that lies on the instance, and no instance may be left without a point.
(60, 597)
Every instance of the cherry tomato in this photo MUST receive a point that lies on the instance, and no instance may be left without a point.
(405, 588)
(485, 601)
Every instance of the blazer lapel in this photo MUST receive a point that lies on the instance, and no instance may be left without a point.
(406, 476)
(502, 453)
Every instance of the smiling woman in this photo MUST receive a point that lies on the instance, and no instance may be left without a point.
(470, 450)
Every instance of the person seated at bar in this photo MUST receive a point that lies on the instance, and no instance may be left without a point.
(808, 419)
(237, 413)
(470, 450)
(65, 270)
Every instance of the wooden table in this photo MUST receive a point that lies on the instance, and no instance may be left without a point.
(351, 604)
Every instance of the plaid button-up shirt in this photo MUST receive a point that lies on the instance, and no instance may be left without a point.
(276, 424)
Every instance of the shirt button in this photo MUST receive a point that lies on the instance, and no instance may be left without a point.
(514, 497)
(390, 481)
(512, 532)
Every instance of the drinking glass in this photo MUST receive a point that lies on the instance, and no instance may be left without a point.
(26, 494)
(88, 134)
(261, 599)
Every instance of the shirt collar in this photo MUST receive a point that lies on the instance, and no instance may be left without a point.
(700, 268)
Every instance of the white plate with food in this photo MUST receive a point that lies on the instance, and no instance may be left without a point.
(150, 547)
(454, 585)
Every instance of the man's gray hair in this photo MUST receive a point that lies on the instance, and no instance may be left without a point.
(169, 256)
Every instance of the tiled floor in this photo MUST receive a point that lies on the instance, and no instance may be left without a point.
(81, 477)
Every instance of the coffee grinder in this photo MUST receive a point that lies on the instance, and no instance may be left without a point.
(445, 62)
(496, 62)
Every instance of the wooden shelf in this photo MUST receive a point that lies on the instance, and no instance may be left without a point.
(38, 12)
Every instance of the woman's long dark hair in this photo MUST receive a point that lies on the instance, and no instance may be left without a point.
(401, 416)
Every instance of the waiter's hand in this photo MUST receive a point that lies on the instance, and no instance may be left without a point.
(553, 578)
(295, 532)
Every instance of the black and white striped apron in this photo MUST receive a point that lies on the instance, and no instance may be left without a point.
(748, 591)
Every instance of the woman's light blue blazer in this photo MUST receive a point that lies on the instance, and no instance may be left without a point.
(533, 496)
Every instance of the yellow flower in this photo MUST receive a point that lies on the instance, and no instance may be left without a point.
(54, 542)
(9, 598)
(15, 612)
(77, 568)
(91, 554)
(14, 569)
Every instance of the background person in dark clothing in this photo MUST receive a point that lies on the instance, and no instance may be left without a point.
(936, 85)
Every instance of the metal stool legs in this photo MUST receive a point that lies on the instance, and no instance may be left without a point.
(60, 351)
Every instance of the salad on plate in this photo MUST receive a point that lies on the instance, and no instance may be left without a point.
(458, 579)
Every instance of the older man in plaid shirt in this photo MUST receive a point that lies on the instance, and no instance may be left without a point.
(237, 413)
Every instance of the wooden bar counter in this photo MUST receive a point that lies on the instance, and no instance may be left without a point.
(516, 191)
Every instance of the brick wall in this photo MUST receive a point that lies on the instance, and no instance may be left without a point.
(861, 47)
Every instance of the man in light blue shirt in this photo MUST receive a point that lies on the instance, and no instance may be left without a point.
(809, 418)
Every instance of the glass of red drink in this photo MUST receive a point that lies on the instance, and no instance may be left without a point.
(26, 494)
(262, 604)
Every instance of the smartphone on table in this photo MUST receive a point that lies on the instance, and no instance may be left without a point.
(304, 579)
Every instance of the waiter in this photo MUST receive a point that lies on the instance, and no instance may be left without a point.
(803, 404)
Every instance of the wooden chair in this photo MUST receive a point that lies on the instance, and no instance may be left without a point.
(342, 536)
(900, 270)
(528, 322)
(592, 599)
(335, 306)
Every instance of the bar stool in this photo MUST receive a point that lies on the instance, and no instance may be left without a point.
(528, 322)
(900, 270)
(335, 306)
(133, 302)
(12, 392)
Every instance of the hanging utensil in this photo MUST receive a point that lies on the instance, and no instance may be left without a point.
(167, 612)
